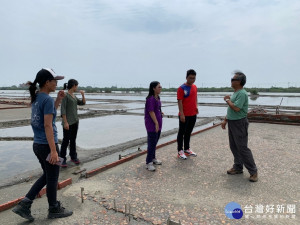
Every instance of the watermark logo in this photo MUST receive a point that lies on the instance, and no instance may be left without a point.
(270, 211)
(233, 210)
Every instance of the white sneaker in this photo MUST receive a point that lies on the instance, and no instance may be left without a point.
(156, 162)
(150, 167)
(189, 152)
(181, 155)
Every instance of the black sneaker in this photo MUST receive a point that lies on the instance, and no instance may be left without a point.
(64, 163)
(23, 210)
(58, 211)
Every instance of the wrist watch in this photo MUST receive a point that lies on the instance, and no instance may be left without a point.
(227, 100)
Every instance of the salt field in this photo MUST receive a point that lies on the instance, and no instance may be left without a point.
(288, 99)
(112, 123)
(16, 157)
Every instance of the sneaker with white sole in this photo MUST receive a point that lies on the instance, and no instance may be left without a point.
(189, 152)
(150, 167)
(181, 155)
(156, 162)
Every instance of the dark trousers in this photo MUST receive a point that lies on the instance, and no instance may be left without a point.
(184, 132)
(49, 177)
(238, 140)
(152, 139)
(69, 137)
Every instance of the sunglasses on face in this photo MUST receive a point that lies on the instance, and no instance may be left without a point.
(234, 79)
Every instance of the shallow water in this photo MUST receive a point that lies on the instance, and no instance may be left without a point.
(100, 132)
(114, 157)
(25, 131)
(275, 99)
(203, 97)
(124, 106)
(204, 111)
(78, 112)
(111, 130)
(16, 157)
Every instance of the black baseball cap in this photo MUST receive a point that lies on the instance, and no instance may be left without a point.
(47, 74)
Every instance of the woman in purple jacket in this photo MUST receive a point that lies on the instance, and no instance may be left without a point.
(153, 123)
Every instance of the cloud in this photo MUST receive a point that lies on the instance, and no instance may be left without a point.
(132, 42)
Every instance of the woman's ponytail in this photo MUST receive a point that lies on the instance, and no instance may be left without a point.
(32, 90)
(65, 86)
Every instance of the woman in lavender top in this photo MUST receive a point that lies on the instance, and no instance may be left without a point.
(153, 123)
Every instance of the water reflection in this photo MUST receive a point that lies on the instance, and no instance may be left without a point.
(16, 157)
(112, 130)
(116, 106)
(254, 97)
(204, 111)
(290, 99)
(100, 132)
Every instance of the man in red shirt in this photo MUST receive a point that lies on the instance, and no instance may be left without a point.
(188, 110)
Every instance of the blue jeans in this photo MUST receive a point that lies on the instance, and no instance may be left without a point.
(49, 177)
(153, 138)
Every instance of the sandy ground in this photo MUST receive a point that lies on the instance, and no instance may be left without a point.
(15, 114)
(194, 191)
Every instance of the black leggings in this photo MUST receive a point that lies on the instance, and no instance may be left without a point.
(49, 177)
(184, 132)
(69, 137)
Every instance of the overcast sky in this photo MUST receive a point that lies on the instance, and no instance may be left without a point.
(130, 43)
